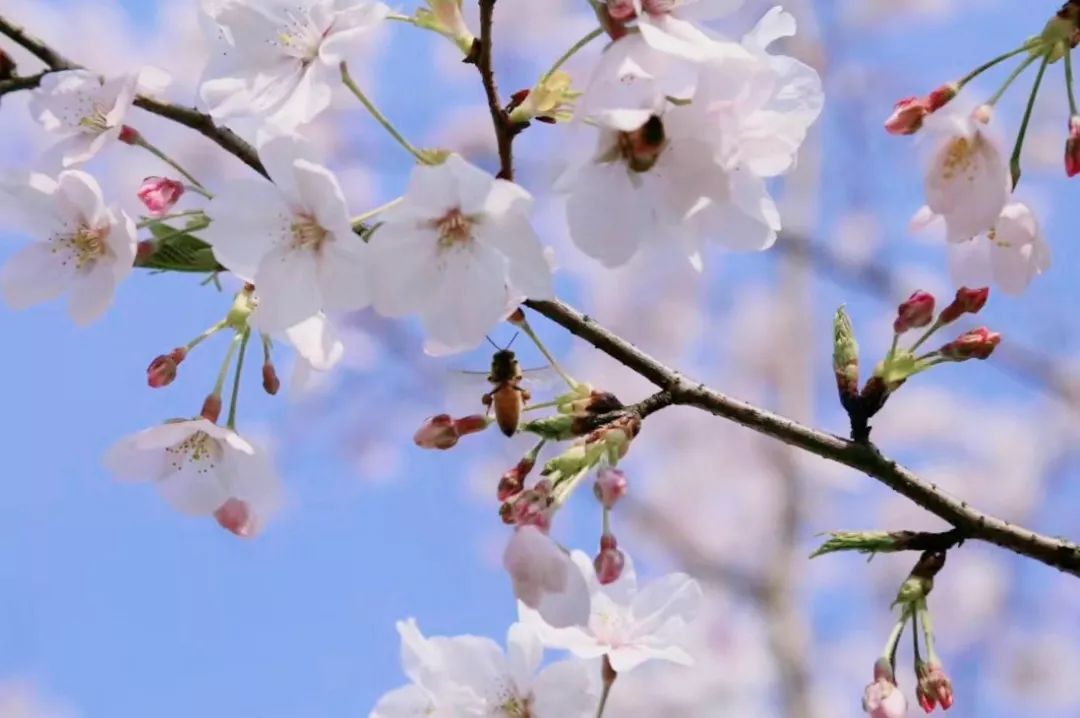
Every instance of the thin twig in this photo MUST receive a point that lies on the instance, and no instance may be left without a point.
(505, 130)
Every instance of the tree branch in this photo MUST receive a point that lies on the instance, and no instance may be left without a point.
(189, 117)
(505, 130)
(1059, 553)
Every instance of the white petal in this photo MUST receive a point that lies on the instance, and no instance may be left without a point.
(524, 651)
(969, 263)
(287, 284)
(404, 269)
(316, 340)
(80, 194)
(566, 689)
(404, 702)
(527, 265)
(774, 25)
(471, 298)
(249, 219)
(343, 273)
(92, 294)
(34, 275)
(127, 460)
(320, 193)
(607, 219)
(673, 597)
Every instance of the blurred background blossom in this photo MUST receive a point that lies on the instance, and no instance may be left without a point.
(120, 608)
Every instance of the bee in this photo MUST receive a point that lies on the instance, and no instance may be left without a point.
(641, 147)
(509, 397)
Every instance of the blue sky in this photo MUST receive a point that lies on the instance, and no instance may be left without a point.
(115, 603)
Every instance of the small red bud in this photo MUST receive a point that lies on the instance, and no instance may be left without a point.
(129, 135)
(437, 432)
(471, 424)
(160, 194)
(1072, 147)
(235, 516)
(211, 408)
(144, 251)
(162, 370)
(513, 481)
(907, 117)
(518, 97)
(271, 383)
(967, 301)
(942, 96)
(610, 562)
(610, 486)
(976, 344)
(917, 311)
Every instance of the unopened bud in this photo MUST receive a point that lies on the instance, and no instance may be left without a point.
(129, 135)
(235, 516)
(610, 486)
(983, 114)
(882, 699)
(513, 481)
(146, 249)
(160, 194)
(976, 344)
(437, 432)
(934, 687)
(845, 360)
(942, 96)
(1072, 147)
(271, 383)
(162, 370)
(917, 311)
(471, 424)
(211, 408)
(532, 507)
(967, 301)
(610, 562)
(907, 116)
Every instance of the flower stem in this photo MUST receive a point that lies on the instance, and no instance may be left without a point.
(219, 385)
(527, 328)
(380, 117)
(1011, 79)
(165, 218)
(928, 632)
(206, 335)
(926, 335)
(545, 405)
(358, 220)
(892, 348)
(1069, 82)
(236, 380)
(402, 18)
(894, 638)
(195, 184)
(1014, 162)
(572, 51)
(268, 345)
(609, 675)
(915, 637)
(606, 525)
(1029, 45)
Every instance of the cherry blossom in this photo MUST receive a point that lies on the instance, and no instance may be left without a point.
(967, 182)
(84, 109)
(83, 246)
(626, 625)
(471, 676)
(545, 578)
(202, 469)
(293, 238)
(460, 252)
(278, 59)
(1010, 254)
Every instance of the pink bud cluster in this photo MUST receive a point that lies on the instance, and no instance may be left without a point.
(916, 312)
(530, 507)
(443, 431)
(910, 113)
(934, 687)
(160, 194)
(976, 344)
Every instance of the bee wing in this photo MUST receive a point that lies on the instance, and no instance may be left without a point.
(463, 391)
(542, 379)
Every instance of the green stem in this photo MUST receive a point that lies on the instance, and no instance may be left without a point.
(915, 637)
(206, 335)
(195, 184)
(926, 335)
(398, 17)
(236, 380)
(545, 405)
(219, 385)
(1031, 44)
(527, 328)
(892, 349)
(380, 117)
(358, 220)
(1014, 162)
(165, 218)
(572, 51)
(894, 638)
(606, 526)
(928, 632)
(1011, 79)
(1069, 82)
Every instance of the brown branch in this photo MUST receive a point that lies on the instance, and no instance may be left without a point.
(17, 83)
(189, 117)
(1059, 553)
(505, 130)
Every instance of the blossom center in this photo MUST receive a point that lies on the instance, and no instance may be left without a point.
(641, 148)
(308, 234)
(516, 707)
(300, 37)
(94, 121)
(83, 248)
(959, 158)
(455, 229)
(200, 453)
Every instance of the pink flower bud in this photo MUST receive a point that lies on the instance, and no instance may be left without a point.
(211, 408)
(471, 424)
(129, 135)
(942, 96)
(162, 370)
(967, 301)
(513, 481)
(983, 114)
(610, 562)
(917, 311)
(533, 507)
(907, 117)
(1072, 147)
(976, 344)
(235, 516)
(160, 194)
(437, 432)
(882, 699)
(610, 486)
(271, 383)
(934, 687)
(146, 249)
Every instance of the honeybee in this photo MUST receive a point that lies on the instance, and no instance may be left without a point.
(509, 397)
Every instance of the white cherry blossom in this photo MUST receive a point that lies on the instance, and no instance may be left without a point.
(627, 625)
(458, 251)
(967, 181)
(545, 578)
(1009, 255)
(82, 245)
(278, 59)
(86, 110)
(467, 676)
(202, 469)
(292, 239)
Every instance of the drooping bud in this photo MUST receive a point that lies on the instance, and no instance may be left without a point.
(882, 698)
(445, 18)
(437, 432)
(513, 481)
(271, 383)
(211, 408)
(610, 486)
(967, 301)
(129, 135)
(610, 562)
(235, 516)
(160, 194)
(983, 114)
(916, 312)
(146, 249)
(533, 507)
(907, 116)
(976, 344)
(162, 370)
(935, 687)
(941, 96)
(1072, 147)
